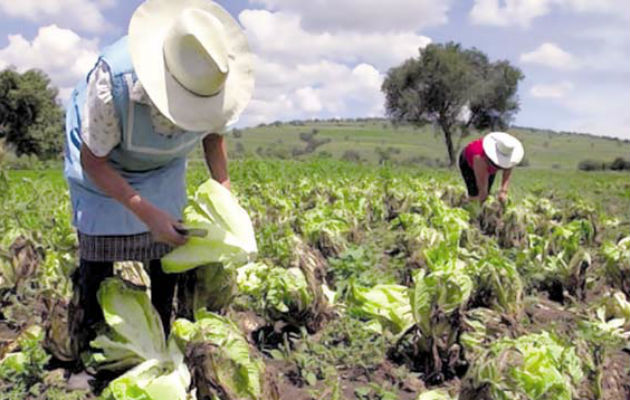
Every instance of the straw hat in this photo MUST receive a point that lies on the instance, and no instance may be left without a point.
(193, 60)
(503, 149)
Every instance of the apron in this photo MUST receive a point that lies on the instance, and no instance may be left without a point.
(153, 164)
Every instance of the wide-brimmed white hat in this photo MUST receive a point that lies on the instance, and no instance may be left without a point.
(503, 149)
(193, 60)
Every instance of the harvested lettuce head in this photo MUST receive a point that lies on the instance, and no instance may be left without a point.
(230, 238)
(153, 380)
(135, 340)
(220, 357)
(136, 333)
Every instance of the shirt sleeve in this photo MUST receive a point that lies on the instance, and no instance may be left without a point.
(227, 128)
(100, 128)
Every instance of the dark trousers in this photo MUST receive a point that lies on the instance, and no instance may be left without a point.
(86, 313)
(469, 177)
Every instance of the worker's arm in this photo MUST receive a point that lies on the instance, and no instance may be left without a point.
(161, 224)
(480, 167)
(505, 183)
(215, 152)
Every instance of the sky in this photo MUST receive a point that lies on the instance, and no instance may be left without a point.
(328, 58)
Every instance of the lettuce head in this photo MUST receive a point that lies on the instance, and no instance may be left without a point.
(230, 238)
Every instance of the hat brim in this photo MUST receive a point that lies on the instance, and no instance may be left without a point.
(500, 159)
(147, 30)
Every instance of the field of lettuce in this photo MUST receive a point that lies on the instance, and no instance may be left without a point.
(367, 283)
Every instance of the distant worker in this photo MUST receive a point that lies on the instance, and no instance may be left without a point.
(483, 158)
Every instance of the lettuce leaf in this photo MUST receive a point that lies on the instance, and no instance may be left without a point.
(226, 360)
(136, 332)
(387, 303)
(135, 340)
(230, 238)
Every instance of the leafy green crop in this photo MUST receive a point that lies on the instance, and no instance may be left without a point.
(230, 238)
(223, 356)
(136, 340)
(535, 366)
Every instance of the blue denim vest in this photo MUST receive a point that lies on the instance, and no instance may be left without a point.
(153, 164)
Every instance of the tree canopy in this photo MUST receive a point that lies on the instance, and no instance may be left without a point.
(31, 120)
(454, 88)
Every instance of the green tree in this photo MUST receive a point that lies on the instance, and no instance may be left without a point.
(454, 88)
(31, 120)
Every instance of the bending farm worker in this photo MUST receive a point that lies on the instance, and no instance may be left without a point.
(481, 159)
(177, 81)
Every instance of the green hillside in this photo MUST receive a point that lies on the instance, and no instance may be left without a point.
(413, 146)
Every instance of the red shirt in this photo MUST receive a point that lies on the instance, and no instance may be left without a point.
(476, 149)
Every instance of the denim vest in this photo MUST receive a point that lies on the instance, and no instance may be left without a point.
(153, 164)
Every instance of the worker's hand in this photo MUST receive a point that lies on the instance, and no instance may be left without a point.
(226, 184)
(503, 197)
(162, 226)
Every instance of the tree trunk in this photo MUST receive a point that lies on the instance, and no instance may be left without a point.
(446, 128)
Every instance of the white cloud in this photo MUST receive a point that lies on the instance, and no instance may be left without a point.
(321, 89)
(61, 53)
(85, 15)
(513, 12)
(523, 12)
(308, 99)
(621, 8)
(305, 74)
(281, 36)
(364, 15)
(550, 55)
(554, 91)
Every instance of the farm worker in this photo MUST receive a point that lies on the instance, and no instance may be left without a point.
(481, 159)
(177, 81)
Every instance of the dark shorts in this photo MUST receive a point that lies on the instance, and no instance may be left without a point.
(469, 177)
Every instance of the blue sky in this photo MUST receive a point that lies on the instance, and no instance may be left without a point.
(327, 58)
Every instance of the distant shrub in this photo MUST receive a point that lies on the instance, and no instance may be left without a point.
(619, 164)
(524, 162)
(296, 152)
(545, 144)
(591, 165)
(306, 136)
(275, 152)
(324, 154)
(418, 160)
(351, 155)
(556, 166)
(237, 133)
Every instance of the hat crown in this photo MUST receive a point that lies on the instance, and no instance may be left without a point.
(505, 148)
(195, 52)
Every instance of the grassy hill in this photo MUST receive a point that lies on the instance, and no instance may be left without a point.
(372, 140)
